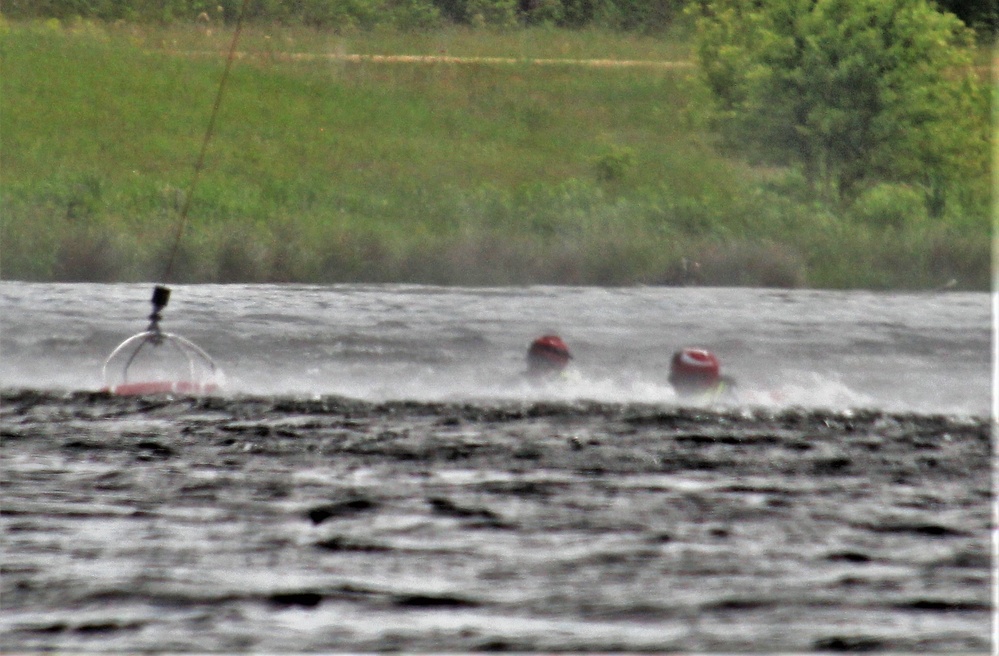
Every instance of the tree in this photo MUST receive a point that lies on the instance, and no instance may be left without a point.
(853, 92)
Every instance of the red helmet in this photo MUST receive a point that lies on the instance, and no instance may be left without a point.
(548, 353)
(694, 370)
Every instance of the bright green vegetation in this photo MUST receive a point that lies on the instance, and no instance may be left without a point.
(853, 93)
(325, 170)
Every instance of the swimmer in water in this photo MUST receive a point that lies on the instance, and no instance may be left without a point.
(548, 359)
(695, 374)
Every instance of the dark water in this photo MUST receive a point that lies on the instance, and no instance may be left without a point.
(375, 476)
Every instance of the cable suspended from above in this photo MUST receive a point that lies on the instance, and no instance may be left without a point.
(158, 362)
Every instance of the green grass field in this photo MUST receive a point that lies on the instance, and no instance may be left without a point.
(323, 169)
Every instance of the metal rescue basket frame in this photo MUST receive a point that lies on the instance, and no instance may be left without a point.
(202, 373)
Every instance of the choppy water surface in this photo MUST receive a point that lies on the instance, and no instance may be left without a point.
(376, 475)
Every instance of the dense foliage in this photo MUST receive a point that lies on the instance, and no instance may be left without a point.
(856, 93)
(640, 15)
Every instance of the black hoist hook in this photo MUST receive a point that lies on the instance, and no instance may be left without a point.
(161, 296)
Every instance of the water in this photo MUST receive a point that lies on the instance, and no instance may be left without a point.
(926, 353)
(377, 475)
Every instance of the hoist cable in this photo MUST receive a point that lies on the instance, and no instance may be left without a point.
(182, 223)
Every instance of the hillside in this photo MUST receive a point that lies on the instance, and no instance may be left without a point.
(471, 157)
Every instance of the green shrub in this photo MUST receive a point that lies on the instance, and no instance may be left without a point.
(89, 254)
(613, 163)
(543, 12)
(494, 13)
(751, 263)
(889, 206)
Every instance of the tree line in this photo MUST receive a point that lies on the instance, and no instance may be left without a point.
(649, 16)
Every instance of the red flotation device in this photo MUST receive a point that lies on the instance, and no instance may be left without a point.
(180, 387)
(547, 354)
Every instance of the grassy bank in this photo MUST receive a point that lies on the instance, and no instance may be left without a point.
(326, 169)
